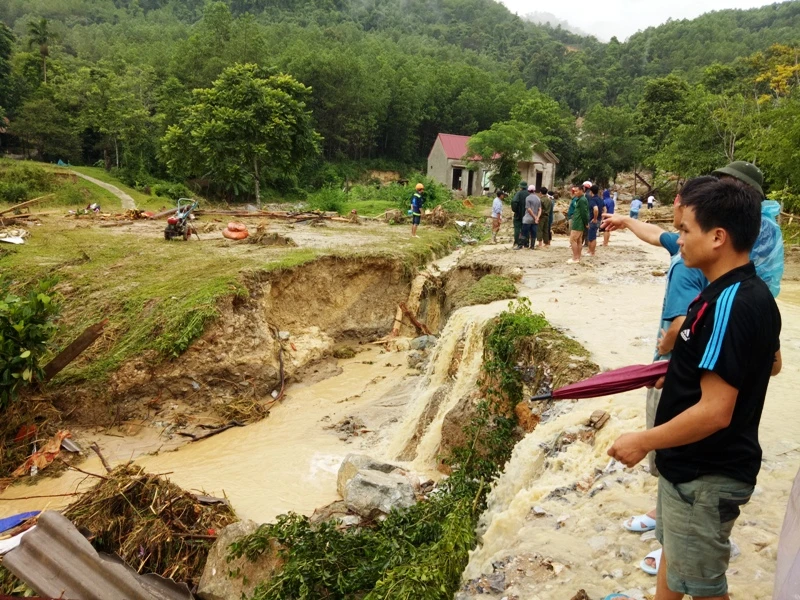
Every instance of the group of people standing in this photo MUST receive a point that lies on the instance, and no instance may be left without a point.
(585, 215)
(533, 217)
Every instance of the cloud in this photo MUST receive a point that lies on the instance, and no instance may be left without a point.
(622, 18)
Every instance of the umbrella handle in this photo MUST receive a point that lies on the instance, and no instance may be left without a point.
(546, 396)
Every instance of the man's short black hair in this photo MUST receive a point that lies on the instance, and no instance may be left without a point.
(595, 188)
(694, 183)
(729, 204)
(543, 190)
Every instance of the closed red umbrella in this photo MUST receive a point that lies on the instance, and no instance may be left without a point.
(606, 383)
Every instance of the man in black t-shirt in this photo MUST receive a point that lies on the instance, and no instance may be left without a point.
(706, 427)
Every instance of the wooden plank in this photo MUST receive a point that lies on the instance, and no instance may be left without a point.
(71, 352)
(24, 204)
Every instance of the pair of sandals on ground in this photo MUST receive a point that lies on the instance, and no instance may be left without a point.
(650, 562)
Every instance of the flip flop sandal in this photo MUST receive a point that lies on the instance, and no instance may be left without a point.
(617, 597)
(656, 555)
(640, 524)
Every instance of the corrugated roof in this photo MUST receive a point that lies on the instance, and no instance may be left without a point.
(58, 562)
(455, 146)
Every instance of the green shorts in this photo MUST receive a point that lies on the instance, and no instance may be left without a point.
(693, 524)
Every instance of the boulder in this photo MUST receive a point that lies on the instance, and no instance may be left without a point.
(416, 359)
(353, 463)
(424, 342)
(222, 580)
(372, 493)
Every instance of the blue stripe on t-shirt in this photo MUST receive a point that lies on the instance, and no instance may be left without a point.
(721, 316)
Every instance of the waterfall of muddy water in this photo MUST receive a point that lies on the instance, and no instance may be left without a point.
(568, 505)
(451, 374)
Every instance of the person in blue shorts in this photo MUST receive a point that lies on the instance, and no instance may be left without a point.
(596, 210)
(706, 432)
(683, 286)
(610, 205)
(417, 200)
(636, 206)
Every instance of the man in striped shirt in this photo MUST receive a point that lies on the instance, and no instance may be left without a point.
(706, 427)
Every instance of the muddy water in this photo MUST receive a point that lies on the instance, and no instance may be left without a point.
(613, 314)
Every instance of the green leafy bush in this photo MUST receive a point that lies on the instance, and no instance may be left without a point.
(26, 325)
(171, 190)
(36, 179)
(13, 193)
(328, 199)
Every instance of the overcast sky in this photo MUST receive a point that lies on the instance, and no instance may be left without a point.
(606, 18)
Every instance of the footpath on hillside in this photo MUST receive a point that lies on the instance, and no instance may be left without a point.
(128, 203)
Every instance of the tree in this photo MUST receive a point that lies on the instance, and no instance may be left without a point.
(501, 148)
(608, 143)
(41, 123)
(40, 35)
(662, 108)
(251, 127)
(556, 124)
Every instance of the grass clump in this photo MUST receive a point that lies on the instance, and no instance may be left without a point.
(488, 288)
(417, 553)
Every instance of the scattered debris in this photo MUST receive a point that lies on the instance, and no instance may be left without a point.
(40, 460)
(349, 427)
(151, 523)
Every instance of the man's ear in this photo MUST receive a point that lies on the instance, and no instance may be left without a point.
(720, 237)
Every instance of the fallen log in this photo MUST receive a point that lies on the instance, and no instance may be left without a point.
(24, 204)
(421, 326)
(116, 223)
(71, 352)
(212, 432)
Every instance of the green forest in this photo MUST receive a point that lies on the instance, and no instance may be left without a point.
(243, 98)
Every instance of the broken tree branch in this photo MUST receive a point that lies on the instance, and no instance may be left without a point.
(208, 434)
(71, 352)
(102, 458)
(24, 204)
(421, 326)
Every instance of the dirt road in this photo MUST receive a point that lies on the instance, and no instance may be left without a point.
(128, 203)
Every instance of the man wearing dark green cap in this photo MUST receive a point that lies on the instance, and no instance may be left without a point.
(518, 209)
(767, 254)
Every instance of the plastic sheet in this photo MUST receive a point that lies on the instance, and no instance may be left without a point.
(767, 253)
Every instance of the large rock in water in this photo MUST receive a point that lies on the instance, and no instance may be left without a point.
(372, 493)
(353, 463)
(217, 582)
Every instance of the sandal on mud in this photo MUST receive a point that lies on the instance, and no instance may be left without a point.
(640, 524)
(655, 555)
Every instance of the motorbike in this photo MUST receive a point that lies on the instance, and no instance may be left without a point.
(179, 224)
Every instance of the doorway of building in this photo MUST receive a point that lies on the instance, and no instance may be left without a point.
(457, 178)
(470, 182)
(539, 175)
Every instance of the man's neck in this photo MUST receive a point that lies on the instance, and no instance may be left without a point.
(725, 264)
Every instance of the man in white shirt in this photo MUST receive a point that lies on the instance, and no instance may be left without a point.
(497, 213)
(650, 201)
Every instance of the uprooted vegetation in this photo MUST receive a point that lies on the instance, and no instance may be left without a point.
(418, 552)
